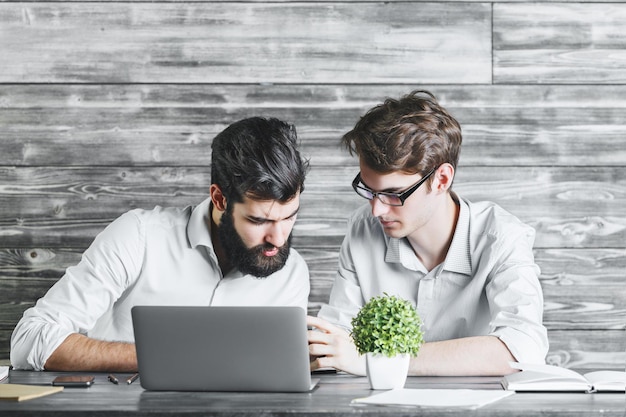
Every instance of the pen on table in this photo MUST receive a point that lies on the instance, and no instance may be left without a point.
(132, 378)
(113, 379)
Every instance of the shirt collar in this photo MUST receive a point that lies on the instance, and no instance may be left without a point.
(400, 251)
(198, 231)
(458, 257)
(393, 249)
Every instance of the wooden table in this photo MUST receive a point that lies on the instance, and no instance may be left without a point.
(332, 397)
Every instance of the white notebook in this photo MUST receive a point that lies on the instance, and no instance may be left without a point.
(535, 377)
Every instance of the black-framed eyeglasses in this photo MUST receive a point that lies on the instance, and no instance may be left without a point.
(391, 199)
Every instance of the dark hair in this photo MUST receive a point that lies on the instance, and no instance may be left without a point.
(258, 157)
(413, 134)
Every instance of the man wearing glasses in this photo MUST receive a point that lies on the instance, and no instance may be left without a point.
(467, 267)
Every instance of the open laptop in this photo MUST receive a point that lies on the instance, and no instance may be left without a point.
(260, 349)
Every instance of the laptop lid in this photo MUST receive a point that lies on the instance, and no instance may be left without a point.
(261, 349)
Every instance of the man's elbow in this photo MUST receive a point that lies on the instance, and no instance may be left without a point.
(20, 353)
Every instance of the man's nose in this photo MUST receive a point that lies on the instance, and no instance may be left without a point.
(378, 207)
(276, 235)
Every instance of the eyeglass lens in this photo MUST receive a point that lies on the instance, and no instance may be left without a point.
(390, 199)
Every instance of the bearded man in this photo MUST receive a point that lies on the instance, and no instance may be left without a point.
(231, 249)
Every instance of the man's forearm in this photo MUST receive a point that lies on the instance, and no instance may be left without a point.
(470, 356)
(80, 353)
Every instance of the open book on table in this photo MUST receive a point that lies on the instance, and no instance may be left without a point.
(535, 377)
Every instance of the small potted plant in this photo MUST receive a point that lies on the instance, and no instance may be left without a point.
(387, 330)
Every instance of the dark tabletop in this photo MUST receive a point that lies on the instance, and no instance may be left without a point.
(331, 397)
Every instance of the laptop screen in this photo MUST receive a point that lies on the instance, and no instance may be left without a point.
(182, 348)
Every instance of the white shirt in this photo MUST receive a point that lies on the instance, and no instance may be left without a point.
(146, 257)
(487, 285)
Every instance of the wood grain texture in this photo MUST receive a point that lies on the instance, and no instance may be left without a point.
(588, 349)
(581, 349)
(569, 207)
(109, 106)
(245, 42)
(559, 43)
(583, 288)
(71, 125)
(332, 398)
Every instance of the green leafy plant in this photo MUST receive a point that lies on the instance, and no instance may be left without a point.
(388, 325)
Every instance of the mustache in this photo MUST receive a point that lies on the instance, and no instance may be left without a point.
(266, 246)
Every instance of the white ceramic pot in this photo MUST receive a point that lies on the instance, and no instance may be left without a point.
(384, 372)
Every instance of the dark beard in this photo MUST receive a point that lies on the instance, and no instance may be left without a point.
(249, 260)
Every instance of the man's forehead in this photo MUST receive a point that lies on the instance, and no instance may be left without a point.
(268, 209)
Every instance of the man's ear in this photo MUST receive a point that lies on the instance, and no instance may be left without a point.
(217, 197)
(443, 177)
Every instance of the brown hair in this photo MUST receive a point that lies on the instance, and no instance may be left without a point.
(413, 134)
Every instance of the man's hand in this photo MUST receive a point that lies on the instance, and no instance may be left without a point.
(331, 347)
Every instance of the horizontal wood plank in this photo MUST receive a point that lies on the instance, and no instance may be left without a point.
(115, 42)
(588, 349)
(580, 349)
(66, 207)
(569, 42)
(583, 288)
(140, 124)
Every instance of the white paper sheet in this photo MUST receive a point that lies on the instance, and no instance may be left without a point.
(465, 398)
(4, 372)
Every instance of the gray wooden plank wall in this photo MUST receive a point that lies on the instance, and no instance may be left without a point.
(108, 106)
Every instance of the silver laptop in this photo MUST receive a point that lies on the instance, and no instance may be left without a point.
(259, 349)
